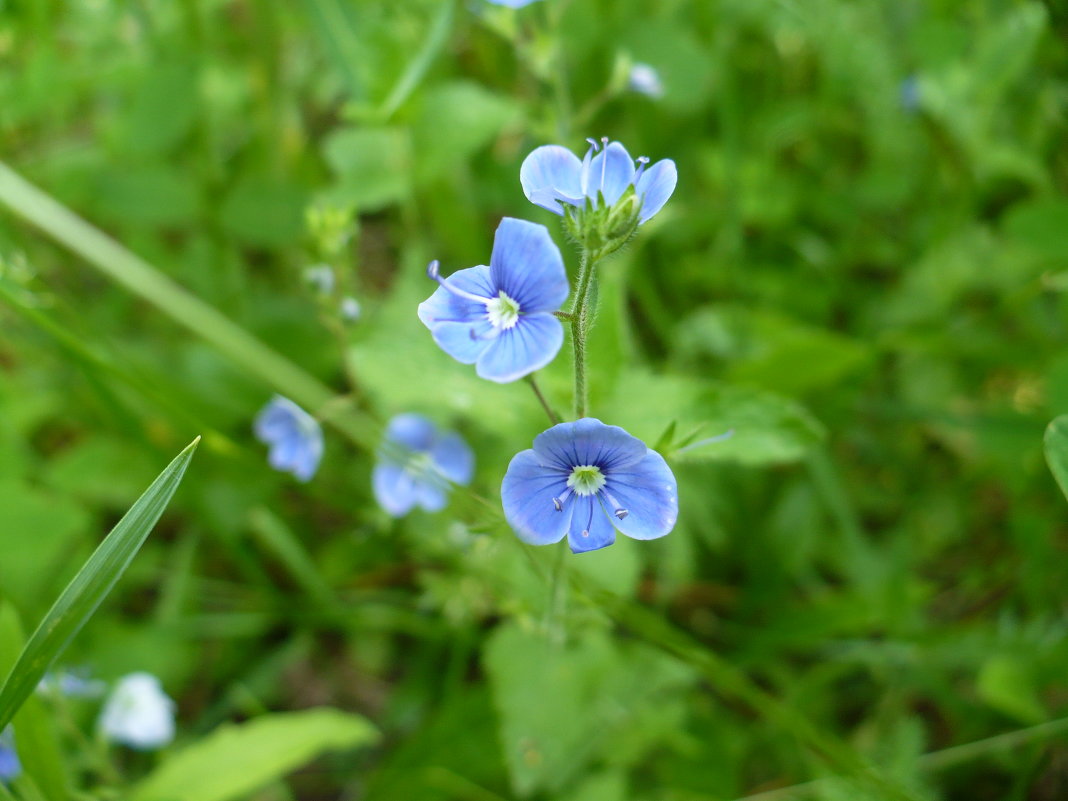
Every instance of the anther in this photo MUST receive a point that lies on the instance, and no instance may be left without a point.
(593, 143)
(642, 161)
(621, 513)
(559, 502)
(433, 270)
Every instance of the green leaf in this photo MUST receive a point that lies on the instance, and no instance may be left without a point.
(1008, 684)
(266, 748)
(767, 428)
(372, 166)
(89, 587)
(1057, 451)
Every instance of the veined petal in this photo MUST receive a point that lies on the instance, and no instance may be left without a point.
(610, 173)
(394, 489)
(430, 496)
(527, 494)
(445, 306)
(589, 442)
(530, 345)
(453, 459)
(590, 529)
(463, 341)
(413, 431)
(649, 493)
(655, 187)
(526, 265)
(551, 173)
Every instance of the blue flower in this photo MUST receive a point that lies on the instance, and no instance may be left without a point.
(294, 437)
(416, 464)
(500, 318)
(511, 3)
(586, 480)
(10, 767)
(552, 175)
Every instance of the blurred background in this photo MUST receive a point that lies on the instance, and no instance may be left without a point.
(862, 273)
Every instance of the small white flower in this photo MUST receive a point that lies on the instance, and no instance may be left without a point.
(645, 80)
(138, 713)
(350, 309)
(320, 277)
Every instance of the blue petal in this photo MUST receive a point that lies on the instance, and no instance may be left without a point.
(530, 345)
(527, 494)
(431, 496)
(453, 459)
(278, 419)
(394, 489)
(413, 431)
(445, 306)
(589, 442)
(590, 528)
(647, 490)
(463, 341)
(655, 187)
(551, 173)
(527, 266)
(610, 173)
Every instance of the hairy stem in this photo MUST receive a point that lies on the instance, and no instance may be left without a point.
(581, 321)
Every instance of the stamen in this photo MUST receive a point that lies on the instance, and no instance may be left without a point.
(642, 161)
(593, 143)
(617, 507)
(604, 160)
(559, 502)
(433, 272)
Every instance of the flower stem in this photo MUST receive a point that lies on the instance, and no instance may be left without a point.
(581, 322)
(553, 417)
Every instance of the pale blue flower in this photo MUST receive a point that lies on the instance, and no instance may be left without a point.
(586, 480)
(552, 175)
(72, 684)
(511, 3)
(645, 80)
(294, 437)
(10, 767)
(138, 713)
(500, 318)
(418, 464)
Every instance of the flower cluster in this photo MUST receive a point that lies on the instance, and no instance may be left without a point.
(584, 480)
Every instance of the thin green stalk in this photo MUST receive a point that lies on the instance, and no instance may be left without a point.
(581, 320)
(207, 322)
(553, 417)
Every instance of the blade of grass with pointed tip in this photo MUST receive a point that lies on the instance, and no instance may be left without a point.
(1057, 451)
(89, 587)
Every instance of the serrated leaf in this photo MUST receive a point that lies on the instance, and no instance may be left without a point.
(266, 749)
(89, 587)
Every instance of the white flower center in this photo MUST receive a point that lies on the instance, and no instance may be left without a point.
(502, 311)
(586, 479)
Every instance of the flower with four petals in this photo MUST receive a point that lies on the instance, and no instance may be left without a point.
(586, 480)
(295, 437)
(500, 317)
(552, 175)
(417, 465)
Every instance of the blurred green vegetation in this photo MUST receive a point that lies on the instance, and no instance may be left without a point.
(862, 272)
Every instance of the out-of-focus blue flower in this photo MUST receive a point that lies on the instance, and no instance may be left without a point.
(294, 437)
(552, 175)
(645, 80)
(586, 480)
(138, 713)
(320, 277)
(72, 684)
(10, 767)
(511, 3)
(909, 93)
(350, 309)
(416, 465)
(500, 318)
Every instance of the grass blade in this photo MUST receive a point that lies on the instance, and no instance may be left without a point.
(87, 589)
(1057, 451)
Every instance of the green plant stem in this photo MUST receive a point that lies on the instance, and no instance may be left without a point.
(553, 417)
(581, 321)
(207, 322)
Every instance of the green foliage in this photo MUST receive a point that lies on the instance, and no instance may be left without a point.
(863, 275)
(266, 749)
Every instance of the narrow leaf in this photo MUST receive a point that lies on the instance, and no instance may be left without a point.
(89, 587)
(1057, 451)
